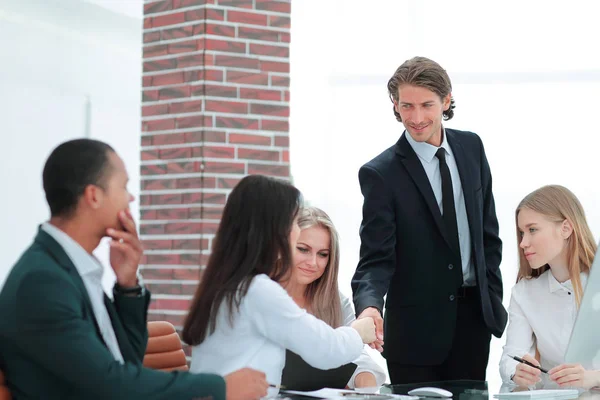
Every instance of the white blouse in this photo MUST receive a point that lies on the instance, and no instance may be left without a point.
(364, 363)
(268, 323)
(541, 313)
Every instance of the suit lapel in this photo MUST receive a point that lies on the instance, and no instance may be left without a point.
(56, 251)
(466, 178)
(415, 169)
(126, 350)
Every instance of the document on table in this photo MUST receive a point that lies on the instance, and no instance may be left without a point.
(342, 394)
(556, 394)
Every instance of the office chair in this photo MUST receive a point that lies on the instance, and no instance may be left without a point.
(164, 351)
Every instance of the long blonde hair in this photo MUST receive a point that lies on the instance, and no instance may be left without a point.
(558, 203)
(322, 295)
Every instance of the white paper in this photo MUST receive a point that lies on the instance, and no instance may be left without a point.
(540, 394)
(327, 393)
(324, 393)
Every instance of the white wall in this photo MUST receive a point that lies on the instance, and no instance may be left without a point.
(131, 8)
(69, 69)
(525, 77)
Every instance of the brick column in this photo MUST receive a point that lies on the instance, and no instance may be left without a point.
(215, 108)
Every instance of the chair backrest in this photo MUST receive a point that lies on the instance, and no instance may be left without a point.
(4, 393)
(164, 351)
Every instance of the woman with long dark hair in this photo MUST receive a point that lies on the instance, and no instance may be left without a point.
(240, 316)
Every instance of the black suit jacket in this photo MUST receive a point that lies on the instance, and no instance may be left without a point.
(405, 251)
(51, 347)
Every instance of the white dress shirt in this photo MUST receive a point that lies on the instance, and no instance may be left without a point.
(364, 363)
(431, 165)
(91, 272)
(268, 323)
(541, 313)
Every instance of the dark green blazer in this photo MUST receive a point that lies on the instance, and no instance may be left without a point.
(51, 347)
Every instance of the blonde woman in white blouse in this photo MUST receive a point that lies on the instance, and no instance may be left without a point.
(313, 285)
(556, 250)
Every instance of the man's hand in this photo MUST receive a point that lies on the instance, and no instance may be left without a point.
(526, 375)
(574, 375)
(125, 250)
(374, 313)
(246, 384)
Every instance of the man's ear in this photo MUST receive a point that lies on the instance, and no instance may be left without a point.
(93, 196)
(446, 101)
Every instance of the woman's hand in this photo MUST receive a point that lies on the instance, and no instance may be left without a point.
(366, 329)
(365, 379)
(574, 375)
(526, 375)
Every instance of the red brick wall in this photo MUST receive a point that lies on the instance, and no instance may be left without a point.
(215, 108)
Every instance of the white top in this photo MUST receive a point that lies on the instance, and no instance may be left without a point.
(431, 165)
(91, 272)
(541, 313)
(268, 323)
(364, 362)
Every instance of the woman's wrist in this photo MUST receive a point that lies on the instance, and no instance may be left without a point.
(365, 379)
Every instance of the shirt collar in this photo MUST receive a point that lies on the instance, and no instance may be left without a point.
(426, 151)
(85, 263)
(555, 286)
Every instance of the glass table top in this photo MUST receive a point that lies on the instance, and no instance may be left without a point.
(472, 390)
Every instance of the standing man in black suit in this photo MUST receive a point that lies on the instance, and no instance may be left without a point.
(429, 238)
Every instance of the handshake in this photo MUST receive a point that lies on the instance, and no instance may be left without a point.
(369, 326)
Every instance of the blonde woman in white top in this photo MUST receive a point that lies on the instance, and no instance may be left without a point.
(240, 316)
(314, 285)
(556, 250)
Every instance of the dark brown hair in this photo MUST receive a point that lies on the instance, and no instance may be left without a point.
(426, 73)
(252, 239)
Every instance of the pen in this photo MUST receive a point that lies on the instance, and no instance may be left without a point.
(277, 386)
(519, 359)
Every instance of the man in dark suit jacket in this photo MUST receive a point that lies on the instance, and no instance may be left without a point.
(429, 239)
(61, 337)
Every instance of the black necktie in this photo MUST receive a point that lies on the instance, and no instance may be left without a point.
(449, 215)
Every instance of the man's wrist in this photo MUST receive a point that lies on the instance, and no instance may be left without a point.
(128, 283)
(135, 290)
(373, 307)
